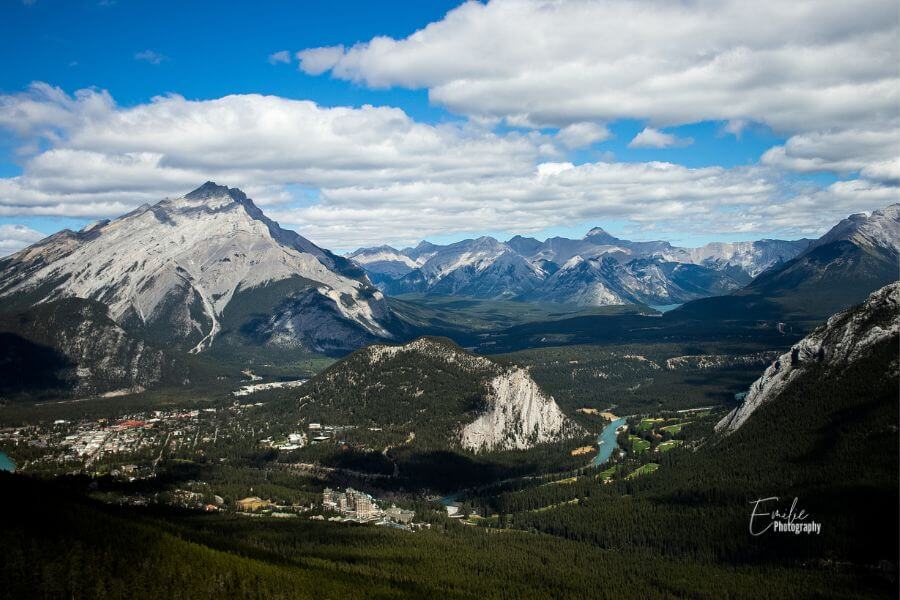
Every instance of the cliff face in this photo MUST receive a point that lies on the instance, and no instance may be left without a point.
(518, 417)
(845, 338)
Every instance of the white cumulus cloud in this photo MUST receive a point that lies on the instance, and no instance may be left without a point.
(579, 135)
(654, 138)
(799, 65)
(282, 56)
(15, 237)
(316, 61)
(806, 68)
(373, 175)
(151, 56)
(873, 152)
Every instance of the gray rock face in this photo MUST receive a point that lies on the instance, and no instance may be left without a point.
(519, 416)
(843, 339)
(171, 270)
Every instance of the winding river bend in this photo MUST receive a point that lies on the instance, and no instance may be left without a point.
(606, 442)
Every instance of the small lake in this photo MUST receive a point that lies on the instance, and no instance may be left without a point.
(664, 308)
(606, 442)
(6, 464)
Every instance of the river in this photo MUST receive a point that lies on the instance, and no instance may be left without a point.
(451, 499)
(664, 308)
(606, 442)
(6, 464)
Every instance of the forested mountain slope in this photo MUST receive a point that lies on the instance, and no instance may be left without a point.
(71, 347)
(827, 439)
(856, 257)
(845, 339)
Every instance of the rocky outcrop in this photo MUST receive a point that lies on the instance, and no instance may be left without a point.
(449, 397)
(845, 338)
(519, 416)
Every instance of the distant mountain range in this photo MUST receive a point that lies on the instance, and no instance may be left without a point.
(119, 304)
(857, 256)
(597, 270)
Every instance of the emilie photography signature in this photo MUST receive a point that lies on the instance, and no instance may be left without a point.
(769, 514)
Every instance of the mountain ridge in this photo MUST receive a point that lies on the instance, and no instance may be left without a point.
(542, 271)
(168, 271)
(844, 338)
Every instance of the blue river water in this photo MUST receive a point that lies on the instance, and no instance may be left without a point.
(664, 308)
(606, 442)
(451, 499)
(6, 464)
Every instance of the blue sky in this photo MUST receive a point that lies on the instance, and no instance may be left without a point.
(39, 43)
(135, 51)
(211, 48)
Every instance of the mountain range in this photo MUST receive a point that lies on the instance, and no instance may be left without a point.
(120, 303)
(597, 270)
(856, 256)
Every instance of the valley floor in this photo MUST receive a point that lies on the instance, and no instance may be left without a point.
(138, 496)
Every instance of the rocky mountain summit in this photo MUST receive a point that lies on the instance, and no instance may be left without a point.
(189, 271)
(854, 258)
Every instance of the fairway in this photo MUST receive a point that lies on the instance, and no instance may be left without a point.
(666, 446)
(607, 474)
(648, 424)
(643, 470)
(674, 429)
(638, 445)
